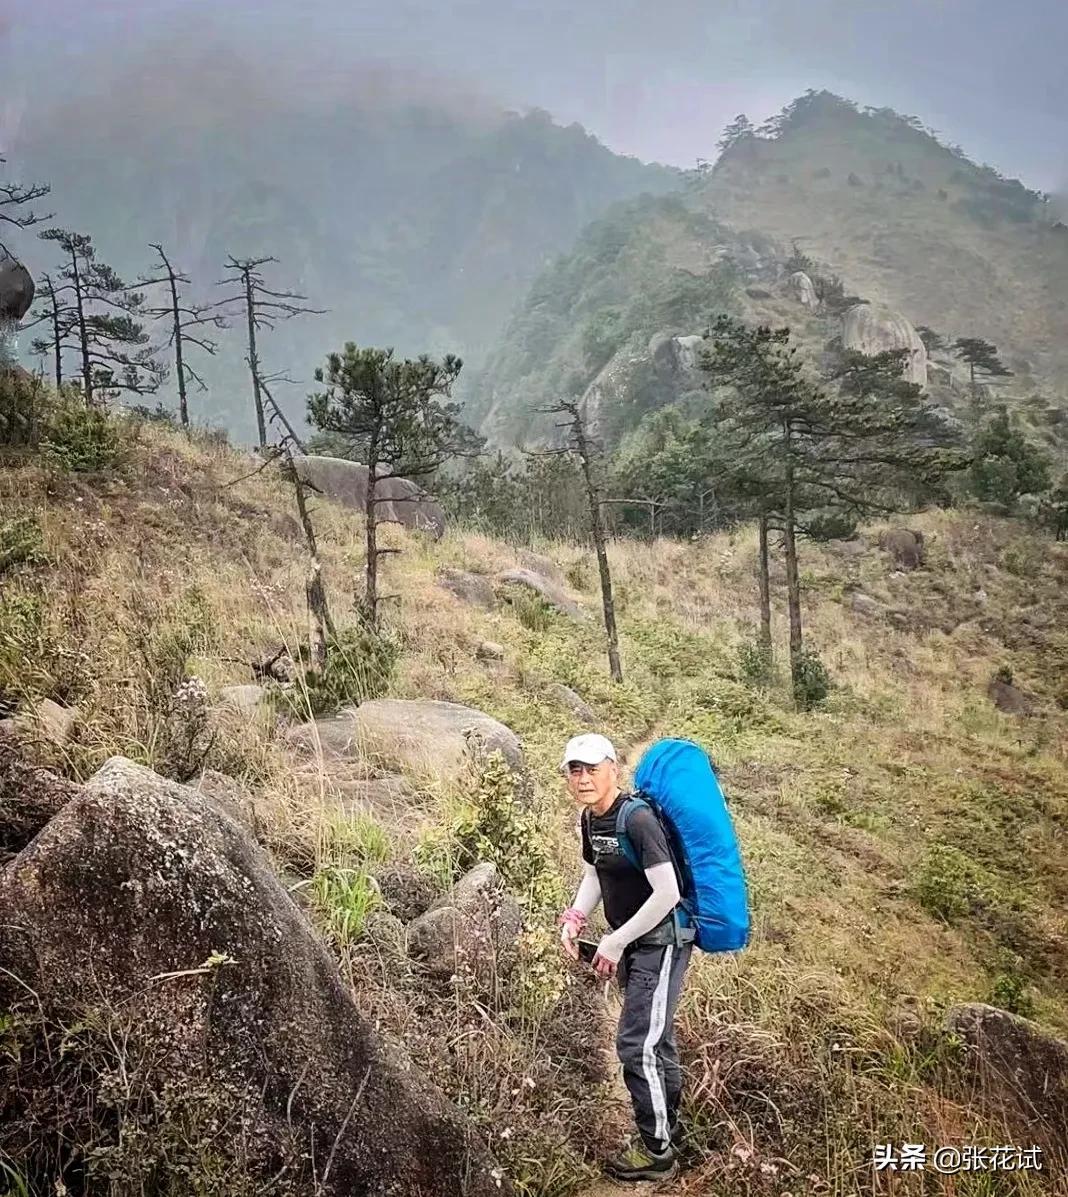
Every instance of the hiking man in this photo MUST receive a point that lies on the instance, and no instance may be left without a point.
(646, 948)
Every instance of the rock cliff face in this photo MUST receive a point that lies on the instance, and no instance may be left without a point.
(870, 328)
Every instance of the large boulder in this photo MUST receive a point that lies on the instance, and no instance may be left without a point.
(420, 738)
(209, 1016)
(1019, 1069)
(904, 545)
(473, 926)
(803, 290)
(403, 502)
(553, 594)
(16, 299)
(871, 328)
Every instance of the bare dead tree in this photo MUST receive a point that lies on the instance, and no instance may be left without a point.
(54, 312)
(263, 307)
(321, 627)
(185, 319)
(582, 445)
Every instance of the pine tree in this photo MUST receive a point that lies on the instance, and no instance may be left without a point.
(983, 365)
(819, 456)
(739, 130)
(93, 311)
(396, 417)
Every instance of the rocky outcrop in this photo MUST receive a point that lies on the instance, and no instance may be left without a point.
(904, 545)
(677, 358)
(346, 482)
(870, 328)
(16, 299)
(1022, 1069)
(573, 702)
(472, 926)
(146, 916)
(1009, 698)
(865, 605)
(46, 720)
(803, 290)
(420, 738)
(489, 650)
(550, 591)
(475, 589)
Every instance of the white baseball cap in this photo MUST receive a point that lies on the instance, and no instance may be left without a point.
(589, 749)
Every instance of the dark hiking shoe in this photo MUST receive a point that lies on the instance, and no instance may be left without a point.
(637, 1162)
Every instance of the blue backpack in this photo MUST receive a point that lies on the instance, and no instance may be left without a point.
(676, 780)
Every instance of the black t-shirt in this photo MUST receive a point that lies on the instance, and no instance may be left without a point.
(624, 889)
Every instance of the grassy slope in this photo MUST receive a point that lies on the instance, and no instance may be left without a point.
(840, 812)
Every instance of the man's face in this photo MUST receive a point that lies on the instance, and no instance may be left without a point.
(592, 784)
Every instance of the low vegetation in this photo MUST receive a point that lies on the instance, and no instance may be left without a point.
(901, 834)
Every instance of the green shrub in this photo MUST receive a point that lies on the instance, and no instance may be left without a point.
(1011, 992)
(950, 884)
(811, 681)
(360, 664)
(80, 439)
(756, 662)
(1023, 558)
(532, 611)
(500, 825)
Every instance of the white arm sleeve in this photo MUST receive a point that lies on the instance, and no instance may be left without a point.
(589, 891)
(659, 904)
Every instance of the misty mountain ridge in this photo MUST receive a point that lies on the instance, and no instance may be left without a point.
(415, 213)
(870, 196)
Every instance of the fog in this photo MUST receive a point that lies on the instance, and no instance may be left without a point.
(654, 80)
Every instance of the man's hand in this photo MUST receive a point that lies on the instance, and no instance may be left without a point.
(606, 960)
(572, 924)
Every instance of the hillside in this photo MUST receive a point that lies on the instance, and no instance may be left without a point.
(904, 843)
(416, 217)
(869, 196)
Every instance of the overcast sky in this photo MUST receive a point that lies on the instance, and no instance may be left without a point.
(654, 78)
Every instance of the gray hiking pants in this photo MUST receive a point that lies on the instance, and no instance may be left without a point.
(651, 981)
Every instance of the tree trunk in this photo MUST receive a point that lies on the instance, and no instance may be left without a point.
(793, 584)
(320, 624)
(253, 361)
(615, 667)
(83, 332)
(56, 336)
(370, 598)
(765, 591)
(179, 365)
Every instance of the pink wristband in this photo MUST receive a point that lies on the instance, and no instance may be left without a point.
(573, 915)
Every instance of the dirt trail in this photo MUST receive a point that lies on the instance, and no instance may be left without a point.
(615, 1188)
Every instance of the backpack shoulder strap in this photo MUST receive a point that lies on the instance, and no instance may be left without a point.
(626, 809)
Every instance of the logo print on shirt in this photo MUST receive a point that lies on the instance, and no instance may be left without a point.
(604, 845)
